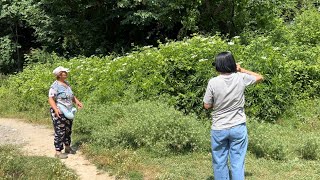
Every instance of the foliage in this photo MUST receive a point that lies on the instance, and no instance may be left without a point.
(235, 17)
(7, 48)
(14, 18)
(102, 27)
(177, 72)
(37, 56)
(109, 26)
(306, 27)
(31, 87)
(148, 124)
(310, 150)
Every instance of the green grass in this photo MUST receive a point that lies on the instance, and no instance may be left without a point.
(194, 166)
(292, 169)
(304, 115)
(14, 165)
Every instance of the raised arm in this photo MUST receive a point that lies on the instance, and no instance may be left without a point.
(259, 77)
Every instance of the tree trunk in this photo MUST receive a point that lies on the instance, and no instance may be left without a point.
(19, 65)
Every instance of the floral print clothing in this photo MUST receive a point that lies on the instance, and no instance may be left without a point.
(62, 94)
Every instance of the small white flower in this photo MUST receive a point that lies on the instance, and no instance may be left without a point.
(231, 43)
(236, 37)
(115, 59)
(79, 67)
(204, 39)
(201, 60)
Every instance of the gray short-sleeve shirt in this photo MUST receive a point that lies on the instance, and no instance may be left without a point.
(226, 94)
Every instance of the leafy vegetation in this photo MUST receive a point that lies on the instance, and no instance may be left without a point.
(148, 124)
(102, 27)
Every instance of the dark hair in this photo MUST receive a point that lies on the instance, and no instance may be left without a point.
(225, 63)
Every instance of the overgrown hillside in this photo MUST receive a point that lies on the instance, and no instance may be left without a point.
(146, 107)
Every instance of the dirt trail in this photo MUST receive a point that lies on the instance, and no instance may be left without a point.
(38, 140)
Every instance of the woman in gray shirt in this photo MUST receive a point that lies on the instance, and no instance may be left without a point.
(225, 95)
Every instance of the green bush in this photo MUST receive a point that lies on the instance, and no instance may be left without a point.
(177, 72)
(306, 27)
(305, 78)
(310, 150)
(145, 124)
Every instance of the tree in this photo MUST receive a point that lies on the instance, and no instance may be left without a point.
(15, 35)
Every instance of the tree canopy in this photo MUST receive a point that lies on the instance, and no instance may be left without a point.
(100, 27)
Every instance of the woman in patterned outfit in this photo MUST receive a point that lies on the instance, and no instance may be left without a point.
(61, 95)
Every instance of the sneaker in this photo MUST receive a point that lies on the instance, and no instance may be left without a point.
(61, 156)
(69, 150)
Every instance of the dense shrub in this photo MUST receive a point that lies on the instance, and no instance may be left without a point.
(148, 124)
(177, 72)
(29, 90)
(310, 150)
(305, 78)
(306, 27)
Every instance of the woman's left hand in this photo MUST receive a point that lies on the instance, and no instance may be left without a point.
(79, 104)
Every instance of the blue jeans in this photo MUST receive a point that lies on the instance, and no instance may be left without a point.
(230, 143)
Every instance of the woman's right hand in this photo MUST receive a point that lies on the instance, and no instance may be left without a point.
(57, 112)
(238, 68)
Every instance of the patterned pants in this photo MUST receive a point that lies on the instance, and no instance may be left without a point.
(62, 130)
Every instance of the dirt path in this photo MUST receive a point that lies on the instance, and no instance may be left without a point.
(38, 140)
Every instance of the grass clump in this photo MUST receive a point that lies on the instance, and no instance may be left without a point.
(13, 165)
(263, 143)
(310, 150)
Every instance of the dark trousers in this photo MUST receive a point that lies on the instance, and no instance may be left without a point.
(62, 130)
